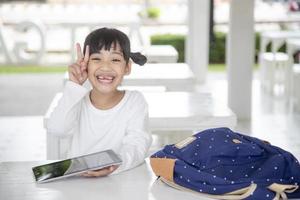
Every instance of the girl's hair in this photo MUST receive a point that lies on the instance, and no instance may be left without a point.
(108, 38)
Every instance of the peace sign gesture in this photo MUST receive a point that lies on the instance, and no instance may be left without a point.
(78, 70)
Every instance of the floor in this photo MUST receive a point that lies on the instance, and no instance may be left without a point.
(273, 119)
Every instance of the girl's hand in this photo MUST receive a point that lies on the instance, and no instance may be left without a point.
(78, 70)
(101, 172)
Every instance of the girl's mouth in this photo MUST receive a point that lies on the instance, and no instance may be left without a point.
(105, 79)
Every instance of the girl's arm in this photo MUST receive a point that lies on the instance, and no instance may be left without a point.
(64, 119)
(136, 143)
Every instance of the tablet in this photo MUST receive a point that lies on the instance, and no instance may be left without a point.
(73, 166)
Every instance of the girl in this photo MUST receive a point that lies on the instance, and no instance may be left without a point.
(103, 117)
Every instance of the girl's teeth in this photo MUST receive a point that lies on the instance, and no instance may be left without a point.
(105, 79)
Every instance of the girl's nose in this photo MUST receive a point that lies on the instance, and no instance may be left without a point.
(105, 66)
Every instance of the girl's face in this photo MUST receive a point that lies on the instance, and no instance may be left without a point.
(107, 68)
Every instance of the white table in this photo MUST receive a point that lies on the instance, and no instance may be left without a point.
(17, 183)
(174, 76)
(168, 111)
(161, 54)
(186, 111)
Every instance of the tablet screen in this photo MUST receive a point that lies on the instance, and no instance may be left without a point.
(76, 165)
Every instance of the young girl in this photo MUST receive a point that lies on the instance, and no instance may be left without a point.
(103, 117)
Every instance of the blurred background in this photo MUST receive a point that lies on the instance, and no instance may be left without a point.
(37, 41)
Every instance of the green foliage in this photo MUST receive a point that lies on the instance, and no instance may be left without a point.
(10, 69)
(217, 48)
(177, 41)
(257, 46)
(216, 54)
(216, 67)
(153, 12)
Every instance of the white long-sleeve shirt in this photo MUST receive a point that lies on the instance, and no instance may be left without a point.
(123, 128)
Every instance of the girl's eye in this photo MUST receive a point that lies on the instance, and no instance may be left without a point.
(96, 59)
(116, 60)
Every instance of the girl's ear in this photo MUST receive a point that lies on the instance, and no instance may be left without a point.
(128, 67)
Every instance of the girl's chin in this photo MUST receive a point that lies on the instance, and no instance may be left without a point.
(105, 88)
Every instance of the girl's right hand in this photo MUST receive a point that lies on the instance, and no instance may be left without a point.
(78, 70)
(101, 172)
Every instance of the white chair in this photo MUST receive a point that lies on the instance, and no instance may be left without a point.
(293, 47)
(274, 71)
(295, 86)
(275, 65)
(161, 54)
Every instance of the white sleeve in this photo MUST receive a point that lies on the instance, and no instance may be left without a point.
(137, 141)
(65, 116)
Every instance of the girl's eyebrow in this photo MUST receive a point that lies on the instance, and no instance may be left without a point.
(95, 54)
(117, 52)
(99, 53)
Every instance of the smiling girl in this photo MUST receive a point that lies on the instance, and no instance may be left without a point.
(103, 117)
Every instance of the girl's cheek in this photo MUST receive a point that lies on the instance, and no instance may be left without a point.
(91, 68)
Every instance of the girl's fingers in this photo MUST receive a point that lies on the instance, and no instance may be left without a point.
(85, 174)
(79, 53)
(84, 63)
(102, 172)
(84, 74)
(73, 76)
(87, 54)
(83, 66)
(76, 71)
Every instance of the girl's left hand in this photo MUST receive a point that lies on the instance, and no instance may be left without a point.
(101, 172)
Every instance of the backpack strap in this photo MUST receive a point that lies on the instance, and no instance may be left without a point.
(235, 195)
(281, 189)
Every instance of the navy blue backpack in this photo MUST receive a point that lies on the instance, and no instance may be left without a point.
(223, 164)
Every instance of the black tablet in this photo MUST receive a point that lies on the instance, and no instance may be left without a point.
(76, 165)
